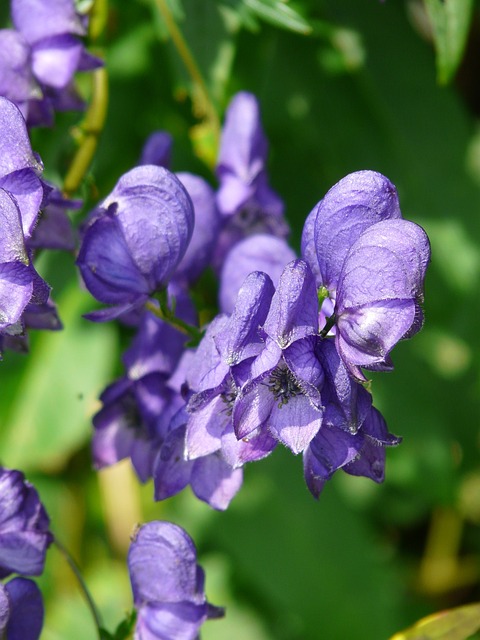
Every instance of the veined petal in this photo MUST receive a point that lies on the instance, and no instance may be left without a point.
(26, 610)
(295, 423)
(214, 481)
(16, 288)
(356, 202)
(15, 150)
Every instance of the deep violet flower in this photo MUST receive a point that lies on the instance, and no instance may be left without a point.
(135, 239)
(157, 149)
(24, 526)
(44, 53)
(167, 584)
(21, 610)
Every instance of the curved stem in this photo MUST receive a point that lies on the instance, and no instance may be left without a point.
(89, 132)
(165, 313)
(74, 567)
(209, 111)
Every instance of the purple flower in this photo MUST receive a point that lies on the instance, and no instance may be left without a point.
(135, 239)
(46, 52)
(24, 526)
(21, 610)
(167, 584)
(379, 293)
(244, 196)
(361, 453)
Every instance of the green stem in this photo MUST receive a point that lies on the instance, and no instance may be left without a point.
(207, 108)
(74, 567)
(330, 322)
(165, 313)
(89, 132)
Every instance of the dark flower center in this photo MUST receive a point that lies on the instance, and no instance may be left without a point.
(283, 385)
(229, 395)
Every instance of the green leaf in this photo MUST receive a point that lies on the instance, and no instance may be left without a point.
(50, 413)
(450, 22)
(278, 13)
(454, 624)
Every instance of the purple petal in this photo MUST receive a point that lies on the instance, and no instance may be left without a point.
(295, 423)
(375, 428)
(27, 190)
(302, 361)
(214, 481)
(12, 244)
(256, 446)
(355, 203)
(24, 535)
(162, 563)
(55, 60)
(235, 342)
(294, 309)
(107, 266)
(205, 232)
(16, 79)
(16, 288)
(259, 252)
(156, 217)
(157, 149)
(252, 410)
(171, 472)
(15, 150)
(333, 448)
(26, 617)
(205, 427)
(37, 19)
(179, 621)
(370, 463)
(4, 610)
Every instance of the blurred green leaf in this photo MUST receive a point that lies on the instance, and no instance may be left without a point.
(455, 624)
(57, 393)
(280, 14)
(450, 22)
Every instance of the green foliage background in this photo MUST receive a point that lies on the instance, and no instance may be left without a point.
(343, 85)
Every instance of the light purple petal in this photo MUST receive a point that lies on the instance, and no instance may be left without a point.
(156, 216)
(12, 244)
(162, 563)
(178, 621)
(252, 409)
(294, 309)
(37, 19)
(355, 203)
(28, 192)
(235, 342)
(258, 252)
(15, 150)
(256, 446)
(205, 427)
(214, 481)
(16, 288)
(205, 232)
(4, 610)
(55, 60)
(302, 361)
(16, 79)
(295, 423)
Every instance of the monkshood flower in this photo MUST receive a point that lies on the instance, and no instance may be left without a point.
(168, 585)
(157, 149)
(244, 196)
(24, 526)
(40, 57)
(370, 265)
(21, 610)
(135, 240)
(283, 393)
(222, 366)
(137, 408)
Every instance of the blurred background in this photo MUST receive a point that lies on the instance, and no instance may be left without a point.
(343, 85)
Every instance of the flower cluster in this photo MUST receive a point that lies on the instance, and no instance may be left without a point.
(32, 216)
(167, 584)
(284, 360)
(24, 539)
(40, 56)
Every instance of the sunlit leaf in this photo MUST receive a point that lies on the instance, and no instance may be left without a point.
(450, 21)
(57, 394)
(279, 14)
(454, 624)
